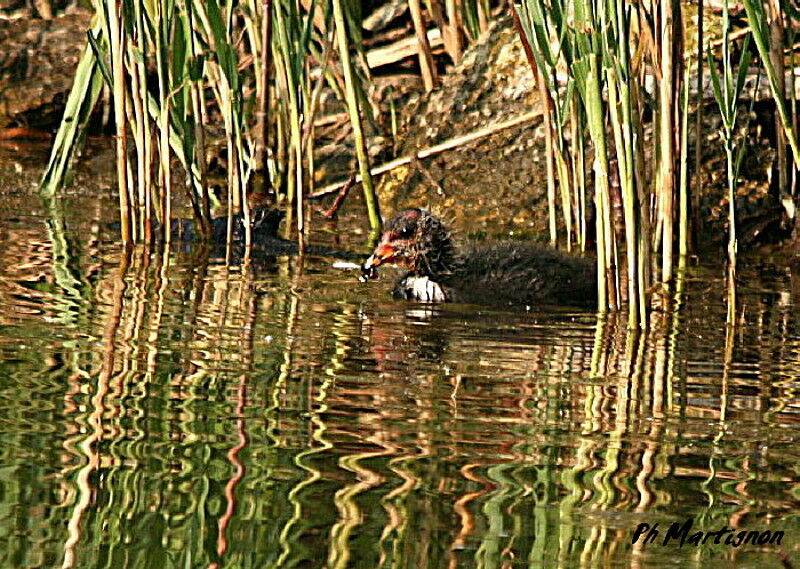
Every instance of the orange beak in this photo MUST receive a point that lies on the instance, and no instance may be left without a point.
(384, 253)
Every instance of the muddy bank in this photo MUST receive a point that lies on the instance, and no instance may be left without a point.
(37, 62)
(497, 184)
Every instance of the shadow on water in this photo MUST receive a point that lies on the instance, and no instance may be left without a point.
(158, 410)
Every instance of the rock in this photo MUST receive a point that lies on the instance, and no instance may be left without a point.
(495, 184)
(37, 63)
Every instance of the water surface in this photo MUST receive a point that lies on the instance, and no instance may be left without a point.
(162, 410)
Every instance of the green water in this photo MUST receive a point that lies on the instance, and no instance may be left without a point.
(160, 411)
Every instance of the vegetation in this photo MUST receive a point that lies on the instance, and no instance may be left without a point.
(614, 77)
(608, 52)
(180, 414)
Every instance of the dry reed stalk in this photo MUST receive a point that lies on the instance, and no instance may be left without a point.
(117, 34)
(426, 62)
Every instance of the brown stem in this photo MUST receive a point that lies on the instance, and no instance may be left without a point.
(547, 103)
(118, 40)
(426, 63)
(331, 212)
(450, 144)
(266, 71)
(698, 130)
(455, 25)
(776, 41)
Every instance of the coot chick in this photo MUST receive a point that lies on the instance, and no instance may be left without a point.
(506, 273)
(264, 222)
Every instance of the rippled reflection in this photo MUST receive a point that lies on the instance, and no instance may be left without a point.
(161, 410)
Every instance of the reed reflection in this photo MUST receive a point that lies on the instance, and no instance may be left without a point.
(629, 401)
(205, 416)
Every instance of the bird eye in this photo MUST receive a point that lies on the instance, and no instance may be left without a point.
(405, 233)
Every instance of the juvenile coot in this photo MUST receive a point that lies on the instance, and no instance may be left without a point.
(506, 273)
(263, 220)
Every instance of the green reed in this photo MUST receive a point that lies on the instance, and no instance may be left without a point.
(355, 117)
(728, 89)
(757, 18)
(605, 52)
(624, 94)
(173, 64)
(560, 109)
(292, 36)
(78, 109)
(568, 40)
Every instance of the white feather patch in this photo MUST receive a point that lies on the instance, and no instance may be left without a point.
(424, 289)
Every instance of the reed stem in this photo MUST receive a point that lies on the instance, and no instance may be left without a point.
(373, 210)
(117, 36)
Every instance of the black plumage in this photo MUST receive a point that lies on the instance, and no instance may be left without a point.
(505, 273)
